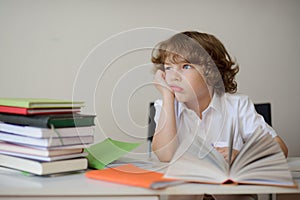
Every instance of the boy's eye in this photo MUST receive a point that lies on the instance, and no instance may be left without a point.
(167, 68)
(187, 67)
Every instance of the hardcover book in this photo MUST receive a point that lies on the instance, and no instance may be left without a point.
(46, 132)
(48, 121)
(39, 103)
(38, 151)
(46, 142)
(129, 174)
(44, 158)
(37, 111)
(43, 168)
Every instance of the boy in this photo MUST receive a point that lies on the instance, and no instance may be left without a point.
(195, 76)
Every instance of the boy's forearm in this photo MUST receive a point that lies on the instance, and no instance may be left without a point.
(165, 139)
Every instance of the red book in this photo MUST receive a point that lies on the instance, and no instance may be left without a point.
(35, 111)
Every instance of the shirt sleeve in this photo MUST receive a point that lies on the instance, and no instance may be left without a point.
(250, 121)
(157, 106)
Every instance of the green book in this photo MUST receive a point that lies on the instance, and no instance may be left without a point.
(48, 121)
(107, 151)
(39, 103)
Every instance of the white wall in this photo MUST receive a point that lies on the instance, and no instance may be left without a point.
(99, 52)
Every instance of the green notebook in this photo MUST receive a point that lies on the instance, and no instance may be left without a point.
(47, 121)
(39, 103)
(107, 151)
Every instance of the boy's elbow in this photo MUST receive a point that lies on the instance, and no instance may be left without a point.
(164, 157)
(165, 160)
(164, 150)
(163, 154)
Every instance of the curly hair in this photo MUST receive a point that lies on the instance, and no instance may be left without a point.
(199, 49)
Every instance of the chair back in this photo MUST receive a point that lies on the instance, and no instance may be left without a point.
(151, 122)
(264, 109)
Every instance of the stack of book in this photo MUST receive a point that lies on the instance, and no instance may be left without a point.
(44, 136)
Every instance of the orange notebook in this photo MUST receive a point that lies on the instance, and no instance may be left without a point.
(129, 174)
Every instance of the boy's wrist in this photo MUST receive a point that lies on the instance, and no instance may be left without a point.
(168, 96)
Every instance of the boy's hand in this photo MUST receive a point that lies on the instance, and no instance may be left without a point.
(161, 84)
(225, 152)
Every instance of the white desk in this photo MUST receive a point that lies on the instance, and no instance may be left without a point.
(17, 186)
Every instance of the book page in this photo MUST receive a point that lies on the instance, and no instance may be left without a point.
(294, 166)
(261, 161)
(294, 163)
(198, 162)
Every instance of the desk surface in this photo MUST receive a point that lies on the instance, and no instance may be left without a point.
(16, 184)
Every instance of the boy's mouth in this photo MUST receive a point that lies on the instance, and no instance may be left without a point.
(176, 88)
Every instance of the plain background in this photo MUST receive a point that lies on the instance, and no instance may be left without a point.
(99, 52)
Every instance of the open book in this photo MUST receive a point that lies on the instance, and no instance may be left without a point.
(260, 161)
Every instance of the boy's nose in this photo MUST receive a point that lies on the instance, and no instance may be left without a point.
(176, 76)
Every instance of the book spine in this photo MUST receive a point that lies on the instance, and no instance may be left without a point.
(49, 121)
(71, 122)
(46, 142)
(24, 120)
(13, 110)
(9, 102)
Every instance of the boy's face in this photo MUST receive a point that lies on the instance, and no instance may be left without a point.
(186, 81)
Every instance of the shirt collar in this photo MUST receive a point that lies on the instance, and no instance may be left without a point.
(216, 104)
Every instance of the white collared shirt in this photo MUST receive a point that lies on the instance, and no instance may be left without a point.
(227, 114)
